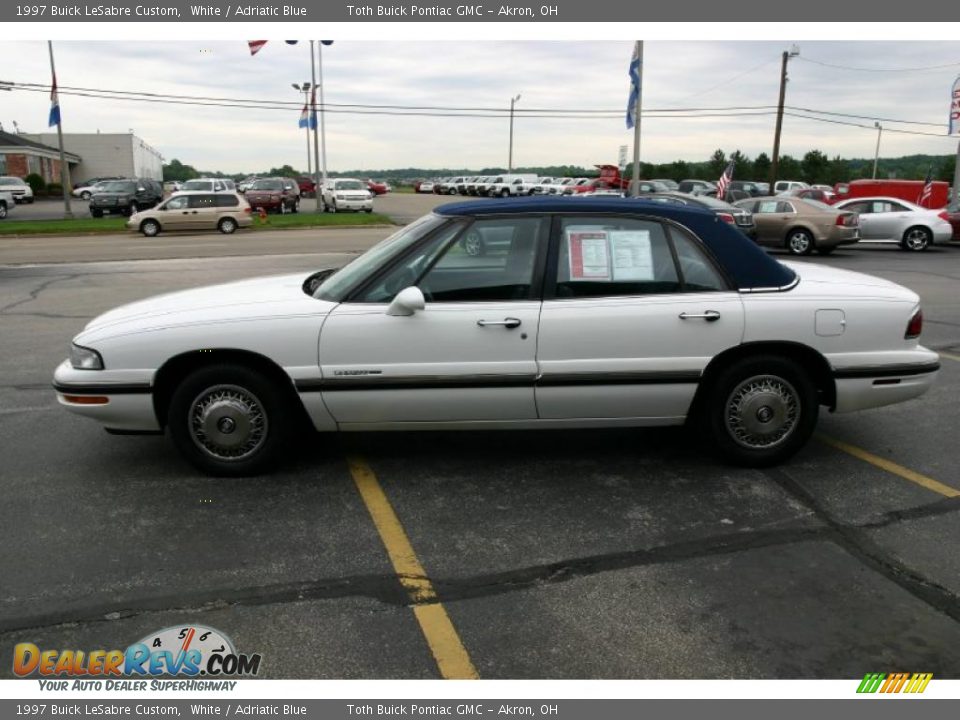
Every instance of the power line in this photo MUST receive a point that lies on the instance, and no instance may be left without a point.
(864, 117)
(869, 127)
(883, 70)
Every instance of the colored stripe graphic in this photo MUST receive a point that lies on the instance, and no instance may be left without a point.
(895, 683)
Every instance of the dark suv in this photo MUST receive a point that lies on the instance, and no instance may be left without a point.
(125, 197)
(278, 194)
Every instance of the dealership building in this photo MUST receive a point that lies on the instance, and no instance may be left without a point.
(88, 155)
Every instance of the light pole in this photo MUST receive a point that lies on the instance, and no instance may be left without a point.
(513, 101)
(305, 89)
(876, 155)
(775, 161)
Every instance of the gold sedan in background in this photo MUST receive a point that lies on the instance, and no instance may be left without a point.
(801, 226)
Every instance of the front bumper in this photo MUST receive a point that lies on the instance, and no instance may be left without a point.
(118, 400)
(354, 203)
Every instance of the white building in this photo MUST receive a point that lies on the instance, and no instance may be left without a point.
(107, 154)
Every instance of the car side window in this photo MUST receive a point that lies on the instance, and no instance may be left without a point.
(863, 208)
(177, 203)
(767, 207)
(897, 207)
(697, 271)
(881, 206)
(785, 207)
(603, 257)
(201, 201)
(227, 201)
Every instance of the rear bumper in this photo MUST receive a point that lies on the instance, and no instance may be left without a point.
(859, 388)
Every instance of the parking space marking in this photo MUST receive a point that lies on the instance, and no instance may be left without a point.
(948, 356)
(891, 467)
(451, 656)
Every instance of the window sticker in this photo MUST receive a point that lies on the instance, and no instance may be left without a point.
(767, 207)
(632, 255)
(589, 254)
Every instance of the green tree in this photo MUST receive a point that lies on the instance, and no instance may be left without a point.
(815, 167)
(761, 167)
(717, 163)
(743, 168)
(790, 168)
(176, 170)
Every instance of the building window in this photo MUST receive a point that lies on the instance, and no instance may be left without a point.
(33, 165)
(3, 164)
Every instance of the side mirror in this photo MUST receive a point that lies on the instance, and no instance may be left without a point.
(407, 302)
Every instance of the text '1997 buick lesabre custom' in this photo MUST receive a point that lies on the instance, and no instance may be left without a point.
(573, 313)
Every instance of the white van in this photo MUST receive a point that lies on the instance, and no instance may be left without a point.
(504, 185)
(783, 187)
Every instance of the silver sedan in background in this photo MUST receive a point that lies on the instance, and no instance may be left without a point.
(888, 219)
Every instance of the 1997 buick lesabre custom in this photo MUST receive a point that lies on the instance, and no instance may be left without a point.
(581, 313)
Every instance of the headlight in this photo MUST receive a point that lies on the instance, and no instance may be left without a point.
(341, 197)
(82, 358)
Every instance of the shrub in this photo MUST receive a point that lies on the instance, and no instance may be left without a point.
(36, 183)
(54, 189)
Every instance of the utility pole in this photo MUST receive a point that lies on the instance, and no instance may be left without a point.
(305, 89)
(316, 147)
(876, 155)
(64, 172)
(635, 178)
(775, 160)
(513, 101)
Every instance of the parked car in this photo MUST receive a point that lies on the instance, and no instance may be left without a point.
(378, 188)
(764, 188)
(307, 186)
(813, 193)
(739, 217)
(223, 211)
(125, 197)
(953, 217)
(801, 226)
(85, 189)
(653, 186)
(346, 194)
(752, 189)
(909, 190)
(781, 187)
(6, 203)
(561, 186)
(207, 185)
(473, 185)
(171, 186)
(483, 185)
(277, 194)
(696, 187)
(449, 185)
(886, 219)
(745, 347)
(245, 184)
(424, 186)
(21, 191)
(512, 185)
(671, 185)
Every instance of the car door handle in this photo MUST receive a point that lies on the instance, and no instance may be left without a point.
(508, 323)
(709, 315)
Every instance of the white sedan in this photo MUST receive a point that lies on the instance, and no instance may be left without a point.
(888, 219)
(588, 312)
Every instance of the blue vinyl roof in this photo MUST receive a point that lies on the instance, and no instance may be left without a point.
(749, 266)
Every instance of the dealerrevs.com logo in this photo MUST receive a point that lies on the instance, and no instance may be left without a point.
(180, 651)
(912, 683)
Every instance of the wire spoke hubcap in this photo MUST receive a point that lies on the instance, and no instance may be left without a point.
(228, 422)
(762, 411)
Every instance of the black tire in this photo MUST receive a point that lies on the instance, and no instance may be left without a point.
(132, 209)
(3, 210)
(799, 242)
(214, 403)
(85, 195)
(227, 226)
(30, 201)
(283, 208)
(916, 239)
(761, 410)
(296, 206)
(368, 210)
(97, 213)
(504, 193)
(150, 228)
(452, 191)
(825, 250)
(333, 206)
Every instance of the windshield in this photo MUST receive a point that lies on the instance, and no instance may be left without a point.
(336, 287)
(118, 187)
(11, 181)
(350, 185)
(818, 204)
(197, 185)
(267, 185)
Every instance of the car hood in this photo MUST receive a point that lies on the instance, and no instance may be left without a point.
(818, 279)
(276, 296)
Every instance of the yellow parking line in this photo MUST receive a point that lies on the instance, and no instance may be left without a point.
(892, 467)
(451, 656)
(948, 356)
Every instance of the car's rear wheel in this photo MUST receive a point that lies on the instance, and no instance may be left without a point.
(504, 193)
(150, 228)
(133, 208)
(916, 239)
(800, 242)
(227, 226)
(761, 410)
(452, 191)
(333, 206)
(229, 420)
(368, 210)
(3, 210)
(296, 206)
(283, 208)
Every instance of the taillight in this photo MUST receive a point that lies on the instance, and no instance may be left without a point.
(248, 210)
(727, 218)
(943, 216)
(848, 220)
(915, 326)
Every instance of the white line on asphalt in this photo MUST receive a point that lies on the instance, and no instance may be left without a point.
(12, 411)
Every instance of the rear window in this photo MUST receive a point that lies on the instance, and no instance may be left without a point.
(118, 187)
(350, 185)
(267, 185)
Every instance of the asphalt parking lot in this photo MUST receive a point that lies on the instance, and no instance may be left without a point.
(564, 554)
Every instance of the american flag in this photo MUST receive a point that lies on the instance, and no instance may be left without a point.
(256, 46)
(927, 191)
(724, 182)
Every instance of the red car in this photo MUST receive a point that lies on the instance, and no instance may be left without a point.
(307, 185)
(816, 194)
(277, 194)
(378, 188)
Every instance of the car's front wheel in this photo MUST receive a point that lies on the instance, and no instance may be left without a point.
(85, 195)
(296, 206)
(761, 410)
(916, 239)
(3, 210)
(97, 213)
(229, 420)
(150, 228)
(800, 242)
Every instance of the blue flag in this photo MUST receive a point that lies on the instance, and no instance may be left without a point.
(54, 104)
(308, 119)
(634, 87)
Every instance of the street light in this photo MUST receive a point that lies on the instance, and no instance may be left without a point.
(305, 89)
(876, 155)
(513, 101)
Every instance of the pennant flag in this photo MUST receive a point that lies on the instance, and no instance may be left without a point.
(725, 180)
(953, 125)
(256, 46)
(927, 191)
(54, 104)
(634, 87)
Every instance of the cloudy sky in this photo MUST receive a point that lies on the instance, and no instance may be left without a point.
(907, 81)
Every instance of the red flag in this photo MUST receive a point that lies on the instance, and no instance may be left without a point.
(256, 45)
